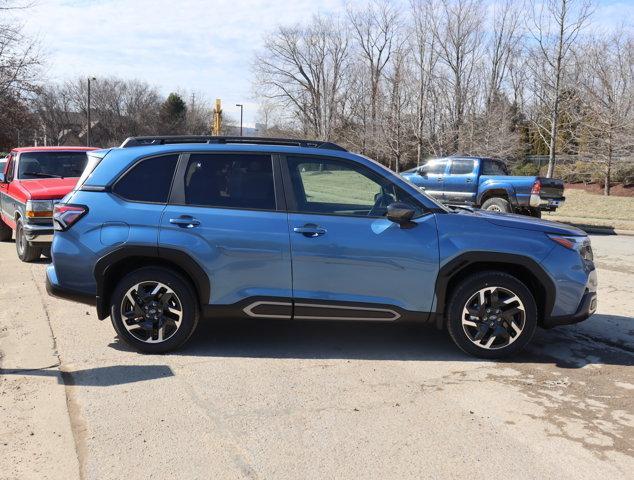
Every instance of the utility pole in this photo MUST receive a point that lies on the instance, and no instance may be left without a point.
(217, 125)
(88, 130)
(241, 112)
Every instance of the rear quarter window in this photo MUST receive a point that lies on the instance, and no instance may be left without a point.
(149, 180)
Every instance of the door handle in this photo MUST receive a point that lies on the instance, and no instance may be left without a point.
(185, 221)
(469, 180)
(310, 230)
(440, 179)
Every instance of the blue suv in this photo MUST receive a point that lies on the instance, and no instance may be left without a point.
(165, 231)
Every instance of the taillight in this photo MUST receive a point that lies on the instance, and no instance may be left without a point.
(65, 215)
(537, 188)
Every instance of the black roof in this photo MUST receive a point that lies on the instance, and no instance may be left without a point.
(171, 139)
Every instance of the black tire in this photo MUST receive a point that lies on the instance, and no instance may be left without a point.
(185, 294)
(470, 287)
(26, 251)
(497, 204)
(535, 213)
(5, 232)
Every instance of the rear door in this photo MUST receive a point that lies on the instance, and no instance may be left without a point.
(460, 184)
(349, 261)
(224, 213)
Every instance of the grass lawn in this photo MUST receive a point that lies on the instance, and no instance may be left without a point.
(591, 209)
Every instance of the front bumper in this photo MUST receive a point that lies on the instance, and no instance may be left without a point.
(54, 289)
(38, 233)
(586, 308)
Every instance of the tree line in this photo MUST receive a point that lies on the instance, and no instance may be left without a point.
(403, 81)
(397, 80)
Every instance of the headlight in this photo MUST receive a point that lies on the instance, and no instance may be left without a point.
(39, 208)
(580, 244)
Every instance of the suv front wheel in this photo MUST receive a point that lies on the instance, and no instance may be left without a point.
(154, 310)
(492, 315)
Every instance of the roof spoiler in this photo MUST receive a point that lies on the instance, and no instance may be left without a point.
(173, 139)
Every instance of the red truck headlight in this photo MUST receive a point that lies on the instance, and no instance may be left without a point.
(39, 209)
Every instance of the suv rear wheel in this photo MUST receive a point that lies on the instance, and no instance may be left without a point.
(154, 310)
(26, 251)
(492, 315)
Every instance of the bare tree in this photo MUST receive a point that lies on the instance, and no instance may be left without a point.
(303, 69)
(375, 29)
(554, 26)
(458, 28)
(425, 58)
(608, 87)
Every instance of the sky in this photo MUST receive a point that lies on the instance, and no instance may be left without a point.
(206, 46)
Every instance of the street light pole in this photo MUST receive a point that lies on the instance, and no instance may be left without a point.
(88, 131)
(241, 111)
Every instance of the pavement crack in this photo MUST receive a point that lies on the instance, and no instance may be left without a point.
(77, 424)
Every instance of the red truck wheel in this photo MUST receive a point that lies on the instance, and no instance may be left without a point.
(5, 232)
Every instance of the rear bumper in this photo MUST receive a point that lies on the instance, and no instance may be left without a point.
(537, 201)
(38, 233)
(586, 308)
(54, 289)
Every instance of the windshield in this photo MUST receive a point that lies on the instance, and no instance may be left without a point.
(51, 164)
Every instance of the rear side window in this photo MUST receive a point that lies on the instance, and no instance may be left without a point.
(148, 181)
(491, 167)
(461, 166)
(230, 181)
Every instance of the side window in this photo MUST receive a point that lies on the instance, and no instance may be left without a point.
(148, 181)
(9, 168)
(460, 166)
(491, 167)
(230, 181)
(330, 186)
(435, 167)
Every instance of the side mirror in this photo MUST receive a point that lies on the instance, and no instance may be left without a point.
(401, 213)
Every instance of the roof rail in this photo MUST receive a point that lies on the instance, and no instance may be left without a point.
(171, 139)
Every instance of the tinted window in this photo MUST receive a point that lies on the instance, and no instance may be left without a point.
(491, 167)
(230, 181)
(334, 187)
(149, 180)
(461, 166)
(51, 164)
(435, 166)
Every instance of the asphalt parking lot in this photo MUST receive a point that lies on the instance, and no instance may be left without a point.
(312, 400)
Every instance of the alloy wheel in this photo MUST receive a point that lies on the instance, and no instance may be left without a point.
(493, 318)
(151, 312)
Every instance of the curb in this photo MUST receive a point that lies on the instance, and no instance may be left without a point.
(601, 230)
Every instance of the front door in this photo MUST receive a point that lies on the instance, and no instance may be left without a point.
(349, 261)
(461, 185)
(224, 214)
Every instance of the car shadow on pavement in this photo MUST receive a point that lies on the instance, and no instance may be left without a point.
(566, 347)
(99, 376)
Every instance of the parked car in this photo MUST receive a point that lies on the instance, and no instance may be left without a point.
(31, 182)
(485, 183)
(164, 233)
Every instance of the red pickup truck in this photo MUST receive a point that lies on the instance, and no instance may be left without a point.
(32, 181)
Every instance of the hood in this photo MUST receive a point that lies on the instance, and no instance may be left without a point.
(48, 188)
(523, 222)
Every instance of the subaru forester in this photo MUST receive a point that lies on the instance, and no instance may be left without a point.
(164, 232)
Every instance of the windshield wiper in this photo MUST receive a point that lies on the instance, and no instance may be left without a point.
(462, 207)
(40, 174)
